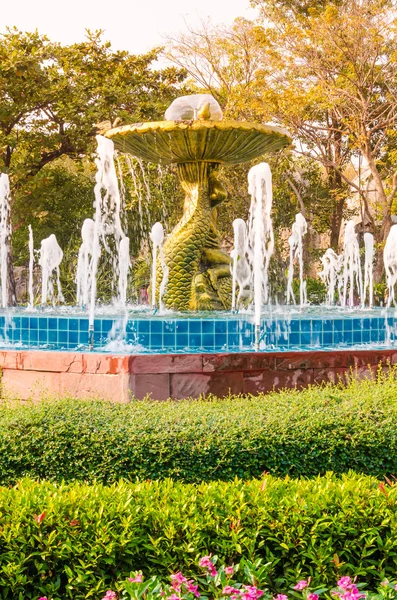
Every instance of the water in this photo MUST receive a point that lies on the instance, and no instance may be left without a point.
(241, 271)
(84, 275)
(157, 237)
(368, 269)
(352, 276)
(260, 234)
(31, 267)
(5, 234)
(136, 330)
(50, 258)
(390, 262)
(295, 241)
(331, 274)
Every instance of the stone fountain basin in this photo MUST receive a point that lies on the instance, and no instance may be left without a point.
(223, 142)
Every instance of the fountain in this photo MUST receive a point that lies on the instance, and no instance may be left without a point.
(213, 322)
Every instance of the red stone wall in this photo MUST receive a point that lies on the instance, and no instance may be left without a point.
(119, 378)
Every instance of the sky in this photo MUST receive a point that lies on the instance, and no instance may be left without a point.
(133, 25)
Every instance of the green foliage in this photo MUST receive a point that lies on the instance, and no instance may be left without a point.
(76, 541)
(290, 433)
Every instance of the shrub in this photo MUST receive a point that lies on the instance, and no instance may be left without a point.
(77, 541)
(296, 433)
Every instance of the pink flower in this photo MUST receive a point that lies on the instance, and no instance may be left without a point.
(281, 597)
(228, 589)
(312, 597)
(177, 580)
(43, 598)
(110, 595)
(137, 579)
(251, 593)
(395, 587)
(193, 589)
(173, 597)
(229, 571)
(206, 562)
(345, 582)
(301, 585)
(385, 582)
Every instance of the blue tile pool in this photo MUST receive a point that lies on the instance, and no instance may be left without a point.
(312, 329)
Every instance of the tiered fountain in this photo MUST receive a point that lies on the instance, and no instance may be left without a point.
(211, 324)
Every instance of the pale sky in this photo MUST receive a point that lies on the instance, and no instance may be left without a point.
(134, 25)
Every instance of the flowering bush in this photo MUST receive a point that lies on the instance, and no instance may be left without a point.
(222, 584)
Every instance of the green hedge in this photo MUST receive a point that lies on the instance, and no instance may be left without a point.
(90, 537)
(296, 433)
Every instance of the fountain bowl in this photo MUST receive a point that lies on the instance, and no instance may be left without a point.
(222, 142)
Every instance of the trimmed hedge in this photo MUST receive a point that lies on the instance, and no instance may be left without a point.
(296, 433)
(76, 541)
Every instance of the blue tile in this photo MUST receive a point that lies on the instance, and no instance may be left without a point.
(317, 325)
(357, 337)
(182, 326)
(347, 337)
(156, 339)
(220, 340)
(375, 335)
(169, 340)
(156, 327)
(43, 336)
(306, 339)
(338, 338)
(357, 324)
(305, 325)
(107, 325)
(169, 327)
(83, 324)
(25, 323)
(294, 325)
(327, 338)
(143, 326)
(208, 340)
(16, 321)
(143, 339)
(366, 323)
(233, 340)
(327, 325)
(294, 339)
(182, 340)
(220, 326)
(347, 325)
(52, 323)
(195, 326)
(375, 323)
(382, 335)
(52, 336)
(63, 324)
(62, 336)
(73, 337)
(33, 323)
(33, 335)
(195, 340)
(25, 335)
(366, 336)
(208, 327)
(338, 325)
(232, 326)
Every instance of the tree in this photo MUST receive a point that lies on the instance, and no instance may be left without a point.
(334, 85)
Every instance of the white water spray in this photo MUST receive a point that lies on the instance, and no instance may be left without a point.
(368, 269)
(107, 221)
(5, 233)
(124, 267)
(31, 266)
(157, 237)
(295, 241)
(260, 236)
(240, 271)
(352, 278)
(50, 258)
(331, 274)
(84, 275)
(390, 262)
